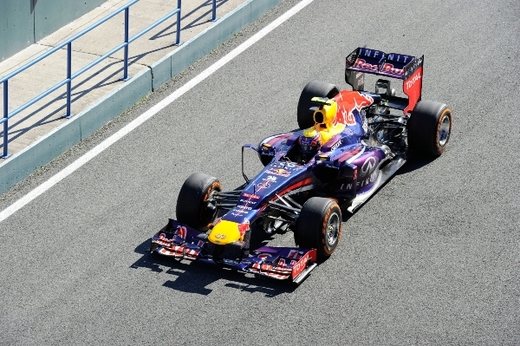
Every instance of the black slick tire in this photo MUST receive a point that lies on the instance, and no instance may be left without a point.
(319, 226)
(312, 89)
(194, 206)
(429, 128)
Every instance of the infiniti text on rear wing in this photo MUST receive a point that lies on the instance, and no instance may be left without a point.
(407, 68)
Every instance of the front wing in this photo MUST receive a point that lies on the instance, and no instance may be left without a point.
(283, 263)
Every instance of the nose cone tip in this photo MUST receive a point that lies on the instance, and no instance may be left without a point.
(225, 232)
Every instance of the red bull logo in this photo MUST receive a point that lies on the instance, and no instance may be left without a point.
(279, 172)
(363, 65)
(181, 231)
(348, 102)
(390, 69)
(243, 227)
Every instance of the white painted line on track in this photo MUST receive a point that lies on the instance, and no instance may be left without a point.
(13, 208)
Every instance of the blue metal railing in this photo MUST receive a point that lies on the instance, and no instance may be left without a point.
(214, 11)
(70, 76)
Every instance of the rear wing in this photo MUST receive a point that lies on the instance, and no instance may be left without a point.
(407, 68)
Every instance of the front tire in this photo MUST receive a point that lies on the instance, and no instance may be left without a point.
(319, 226)
(195, 203)
(312, 89)
(429, 128)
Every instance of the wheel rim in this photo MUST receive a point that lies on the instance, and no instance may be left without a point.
(210, 211)
(444, 130)
(333, 226)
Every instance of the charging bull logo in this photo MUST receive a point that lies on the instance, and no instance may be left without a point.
(243, 227)
(181, 231)
(266, 183)
(350, 101)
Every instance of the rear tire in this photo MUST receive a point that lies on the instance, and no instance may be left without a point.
(319, 226)
(429, 128)
(194, 203)
(312, 89)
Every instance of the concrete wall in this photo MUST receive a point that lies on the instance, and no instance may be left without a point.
(24, 22)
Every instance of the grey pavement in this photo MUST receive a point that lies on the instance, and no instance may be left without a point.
(41, 132)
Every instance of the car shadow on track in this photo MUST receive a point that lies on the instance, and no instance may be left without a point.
(194, 277)
(415, 163)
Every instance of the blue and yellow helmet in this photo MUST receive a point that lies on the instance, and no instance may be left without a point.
(309, 142)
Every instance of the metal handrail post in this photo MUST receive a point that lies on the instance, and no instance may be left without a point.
(127, 24)
(178, 43)
(69, 80)
(6, 118)
(214, 12)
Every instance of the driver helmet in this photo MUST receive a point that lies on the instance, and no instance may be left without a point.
(309, 143)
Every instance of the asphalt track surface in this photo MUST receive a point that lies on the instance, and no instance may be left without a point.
(433, 258)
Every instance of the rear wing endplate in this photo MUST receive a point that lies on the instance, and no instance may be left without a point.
(407, 68)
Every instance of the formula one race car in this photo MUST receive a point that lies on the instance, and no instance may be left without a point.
(350, 142)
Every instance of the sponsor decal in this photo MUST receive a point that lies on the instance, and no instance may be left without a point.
(299, 266)
(266, 183)
(243, 207)
(281, 263)
(363, 65)
(336, 145)
(411, 81)
(400, 58)
(290, 166)
(352, 101)
(162, 238)
(294, 254)
(181, 231)
(389, 68)
(371, 53)
(384, 63)
(243, 227)
(369, 165)
(263, 256)
(250, 196)
(261, 260)
(346, 117)
(279, 172)
(412, 88)
(238, 213)
(362, 183)
(371, 178)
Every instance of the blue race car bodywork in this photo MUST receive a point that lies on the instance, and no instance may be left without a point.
(364, 138)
